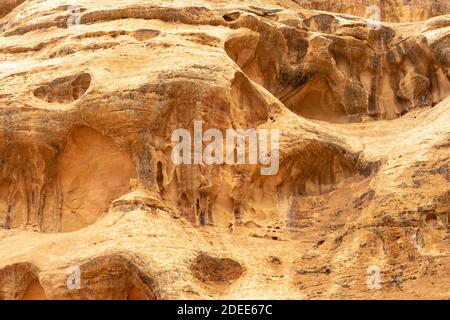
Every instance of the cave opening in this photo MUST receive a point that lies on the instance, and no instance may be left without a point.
(34, 291)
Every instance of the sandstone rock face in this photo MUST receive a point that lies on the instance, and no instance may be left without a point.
(92, 205)
(390, 10)
(8, 5)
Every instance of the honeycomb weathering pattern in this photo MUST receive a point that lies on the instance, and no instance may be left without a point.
(90, 95)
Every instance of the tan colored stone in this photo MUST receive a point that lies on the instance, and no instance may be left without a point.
(87, 180)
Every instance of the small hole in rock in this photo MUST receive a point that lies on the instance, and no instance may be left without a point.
(216, 270)
(34, 291)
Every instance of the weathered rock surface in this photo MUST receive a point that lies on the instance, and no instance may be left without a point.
(86, 177)
(390, 10)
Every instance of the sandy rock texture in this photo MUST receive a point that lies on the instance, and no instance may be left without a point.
(390, 10)
(91, 91)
